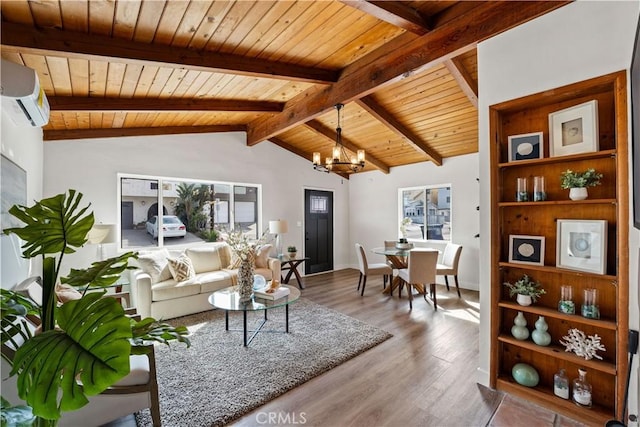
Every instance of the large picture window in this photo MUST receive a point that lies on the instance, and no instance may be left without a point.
(156, 211)
(426, 212)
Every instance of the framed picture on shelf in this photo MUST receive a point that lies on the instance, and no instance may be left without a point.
(526, 249)
(582, 245)
(526, 146)
(574, 130)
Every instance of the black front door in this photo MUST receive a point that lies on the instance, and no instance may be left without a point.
(318, 224)
(126, 215)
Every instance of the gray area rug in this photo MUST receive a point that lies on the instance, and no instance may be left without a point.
(218, 380)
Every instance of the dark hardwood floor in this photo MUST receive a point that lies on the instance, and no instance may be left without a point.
(425, 375)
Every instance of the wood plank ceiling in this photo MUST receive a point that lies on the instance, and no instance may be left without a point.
(406, 71)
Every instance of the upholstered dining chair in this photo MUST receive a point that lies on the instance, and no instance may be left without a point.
(449, 265)
(421, 270)
(367, 269)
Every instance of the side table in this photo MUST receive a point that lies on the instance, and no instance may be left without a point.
(292, 266)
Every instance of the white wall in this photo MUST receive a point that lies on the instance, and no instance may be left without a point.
(23, 146)
(374, 208)
(91, 167)
(576, 42)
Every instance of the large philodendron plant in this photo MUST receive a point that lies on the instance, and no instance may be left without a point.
(85, 344)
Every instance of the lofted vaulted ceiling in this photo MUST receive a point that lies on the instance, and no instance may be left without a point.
(405, 70)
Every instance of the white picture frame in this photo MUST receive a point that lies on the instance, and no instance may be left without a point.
(574, 130)
(527, 146)
(582, 245)
(524, 249)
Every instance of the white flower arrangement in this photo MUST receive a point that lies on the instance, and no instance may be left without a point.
(582, 345)
(406, 221)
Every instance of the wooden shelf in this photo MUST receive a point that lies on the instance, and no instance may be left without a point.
(549, 160)
(555, 314)
(596, 415)
(550, 269)
(558, 352)
(608, 202)
(547, 203)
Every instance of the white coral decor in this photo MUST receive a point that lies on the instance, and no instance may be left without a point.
(582, 346)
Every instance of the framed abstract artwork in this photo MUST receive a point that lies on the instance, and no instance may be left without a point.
(526, 146)
(526, 249)
(574, 130)
(582, 245)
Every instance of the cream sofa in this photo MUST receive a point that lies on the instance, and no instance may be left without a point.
(155, 291)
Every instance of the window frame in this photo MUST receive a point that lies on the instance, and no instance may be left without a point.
(161, 180)
(424, 189)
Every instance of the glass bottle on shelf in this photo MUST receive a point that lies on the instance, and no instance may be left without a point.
(590, 308)
(566, 304)
(522, 192)
(539, 193)
(582, 389)
(561, 384)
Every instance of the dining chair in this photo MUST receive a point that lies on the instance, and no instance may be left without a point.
(449, 266)
(367, 269)
(421, 270)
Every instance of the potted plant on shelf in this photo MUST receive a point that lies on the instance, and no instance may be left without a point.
(526, 289)
(577, 182)
(292, 251)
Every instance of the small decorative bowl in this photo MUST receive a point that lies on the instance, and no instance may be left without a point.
(404, 245)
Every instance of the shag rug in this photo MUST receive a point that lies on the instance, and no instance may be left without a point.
(217, 379)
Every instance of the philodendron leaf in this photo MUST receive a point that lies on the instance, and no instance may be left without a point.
(53, 225)
(101, 273)
(59, 368)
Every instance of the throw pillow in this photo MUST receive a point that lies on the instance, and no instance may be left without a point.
(156, 265)
(262, 255)
(181, 268)
(67, 293)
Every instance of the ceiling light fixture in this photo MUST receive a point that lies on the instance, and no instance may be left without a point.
(340, 161)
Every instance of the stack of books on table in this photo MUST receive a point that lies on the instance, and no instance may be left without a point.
(282, 291)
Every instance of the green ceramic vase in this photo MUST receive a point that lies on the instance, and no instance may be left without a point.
(525, 375)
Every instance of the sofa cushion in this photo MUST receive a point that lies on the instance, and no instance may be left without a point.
(215, 280)
(181, 268)
(155, 264)
(169, 289)
(262, 256)
(206, 257)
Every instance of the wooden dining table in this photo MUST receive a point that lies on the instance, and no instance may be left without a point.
(399, 259)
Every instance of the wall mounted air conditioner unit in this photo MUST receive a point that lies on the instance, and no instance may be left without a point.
(22, 97)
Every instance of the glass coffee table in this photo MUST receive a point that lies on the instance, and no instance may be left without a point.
(227, 299)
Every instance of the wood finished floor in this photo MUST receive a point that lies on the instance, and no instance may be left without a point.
(425, 375)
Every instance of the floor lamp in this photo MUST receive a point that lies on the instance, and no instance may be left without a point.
(278, 227)
(101, 234)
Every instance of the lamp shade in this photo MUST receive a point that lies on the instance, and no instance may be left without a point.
(278, 226)
(102, 233)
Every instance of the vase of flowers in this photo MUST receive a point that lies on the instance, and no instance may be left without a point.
(245, 251)
(527, 290)
(577, 182)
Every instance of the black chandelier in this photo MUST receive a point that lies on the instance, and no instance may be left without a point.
(340, 162)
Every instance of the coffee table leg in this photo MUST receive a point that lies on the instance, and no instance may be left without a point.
(244, 325)
(226, 320)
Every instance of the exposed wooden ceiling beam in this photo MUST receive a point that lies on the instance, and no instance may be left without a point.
(56, 135)
(74, 103)
(466, 82)
(394, 62)
(382, 115)
(330, 134)
(17, 38)
(395, 13)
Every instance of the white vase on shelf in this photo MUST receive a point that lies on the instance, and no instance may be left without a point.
(524, 299)
(578, 193)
